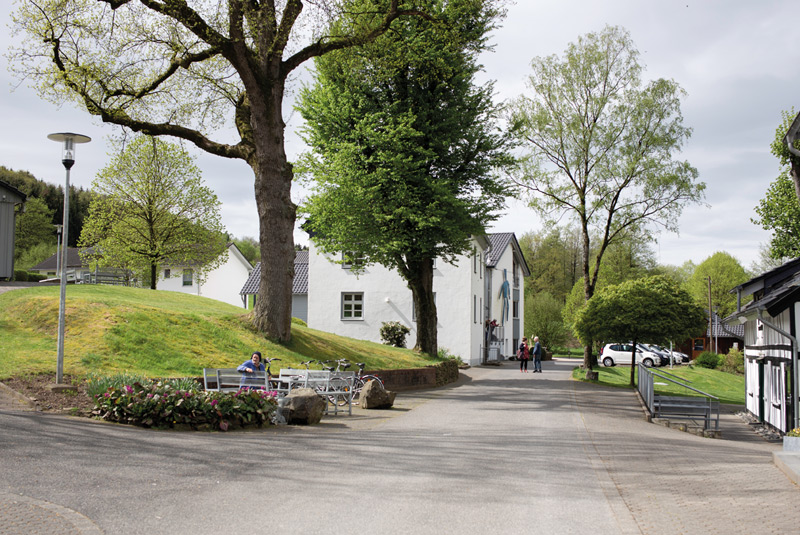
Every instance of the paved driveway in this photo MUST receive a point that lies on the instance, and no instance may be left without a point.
(501, 452)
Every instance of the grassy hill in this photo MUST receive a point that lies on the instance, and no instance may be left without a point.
(156, 333)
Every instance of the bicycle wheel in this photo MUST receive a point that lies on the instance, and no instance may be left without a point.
(367, 378)
(340, 391)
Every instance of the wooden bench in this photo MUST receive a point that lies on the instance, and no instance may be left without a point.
(231, 380)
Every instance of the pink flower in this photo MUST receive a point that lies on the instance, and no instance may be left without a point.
(214, 402)
(129, 389)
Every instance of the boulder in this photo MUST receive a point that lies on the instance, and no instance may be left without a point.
(374, 396)
(304, 406)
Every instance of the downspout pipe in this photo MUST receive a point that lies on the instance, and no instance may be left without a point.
(795, 415)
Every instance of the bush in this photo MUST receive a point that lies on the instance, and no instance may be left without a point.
(733, 362)
(161, 405)
(98, 384)
(298, 321)
(445, 354)
(707, 359)
(35, 277)
(394, 333)
(20, 275)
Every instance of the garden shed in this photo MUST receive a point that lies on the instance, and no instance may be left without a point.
(11, 200)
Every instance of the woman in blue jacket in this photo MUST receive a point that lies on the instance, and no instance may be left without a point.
(249, 368)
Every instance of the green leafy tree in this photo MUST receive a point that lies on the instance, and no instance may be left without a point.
(781, 150)
(543, 319)
(404, 149)
(553, 257)
(650, 310)
(212, 72)
(779, 212)
(34, 226)
(725, 273)
(249, 248)
(600, 146)
(152, 209)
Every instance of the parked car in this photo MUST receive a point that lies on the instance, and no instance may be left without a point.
(613, 354)
(662, 355)
(680, 358)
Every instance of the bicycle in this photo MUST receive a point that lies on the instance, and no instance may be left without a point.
(362, 380)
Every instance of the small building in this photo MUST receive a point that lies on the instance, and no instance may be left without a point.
(249, 291)
(719, 337)
(771, 325)
(479, 299)
(77, 268)
(11, 201)
(222, 283)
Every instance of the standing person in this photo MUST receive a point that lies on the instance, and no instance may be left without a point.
(537, 355)
(249, 368)
(523, 355)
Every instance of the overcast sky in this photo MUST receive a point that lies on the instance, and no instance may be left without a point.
(736, 59)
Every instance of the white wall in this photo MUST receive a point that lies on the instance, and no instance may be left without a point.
(222, 284)
(387, 298)
(496, 305)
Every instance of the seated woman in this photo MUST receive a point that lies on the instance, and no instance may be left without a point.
(250, 369)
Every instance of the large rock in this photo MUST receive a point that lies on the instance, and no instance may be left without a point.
(374, 396)
(304, 406)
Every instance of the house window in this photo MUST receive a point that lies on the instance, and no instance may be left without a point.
(353, 306)
(414, 308)
(188, 275)
(698, 344)
(474, 261)
(351, 259)
(474, 309)
(167, 273)
(515, 309)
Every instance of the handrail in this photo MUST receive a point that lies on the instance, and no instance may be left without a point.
(673, 375)
(684, 385)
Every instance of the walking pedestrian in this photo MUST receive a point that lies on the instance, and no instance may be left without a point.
(536, 353)
(523, 355)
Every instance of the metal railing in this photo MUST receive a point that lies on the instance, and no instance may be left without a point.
(693, 408)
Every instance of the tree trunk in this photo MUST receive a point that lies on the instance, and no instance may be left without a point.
(589, 359)
(795, 161)
(153, 274)
(272, 313)
(421, 285)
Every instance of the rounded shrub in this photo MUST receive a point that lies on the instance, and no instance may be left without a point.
(707, 359)
(394, 333)
(733, 362)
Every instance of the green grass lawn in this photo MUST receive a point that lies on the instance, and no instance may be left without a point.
(159, 334)
(729, 388)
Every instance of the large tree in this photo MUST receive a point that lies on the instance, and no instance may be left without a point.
(152, 208)
(725, 273)
(779, 210)
(405, 149)
(651, 310)
(34, 226)
(601, 145)
(188, 68)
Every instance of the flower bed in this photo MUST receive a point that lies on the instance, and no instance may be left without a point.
(162, 405)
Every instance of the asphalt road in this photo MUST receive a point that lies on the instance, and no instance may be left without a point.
(501, 452)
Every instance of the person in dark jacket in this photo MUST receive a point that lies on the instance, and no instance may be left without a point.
(536, 355)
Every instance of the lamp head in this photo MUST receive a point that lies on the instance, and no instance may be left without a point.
(68, 140)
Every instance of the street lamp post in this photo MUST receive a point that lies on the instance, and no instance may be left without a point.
(68, 140)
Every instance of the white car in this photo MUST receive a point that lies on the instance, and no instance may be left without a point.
(680, 358)
(613, 354)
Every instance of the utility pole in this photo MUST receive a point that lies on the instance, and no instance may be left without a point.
(710, 314)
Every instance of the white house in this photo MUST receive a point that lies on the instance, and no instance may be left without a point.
(222, 283)
(469, 294)
(771, 329)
